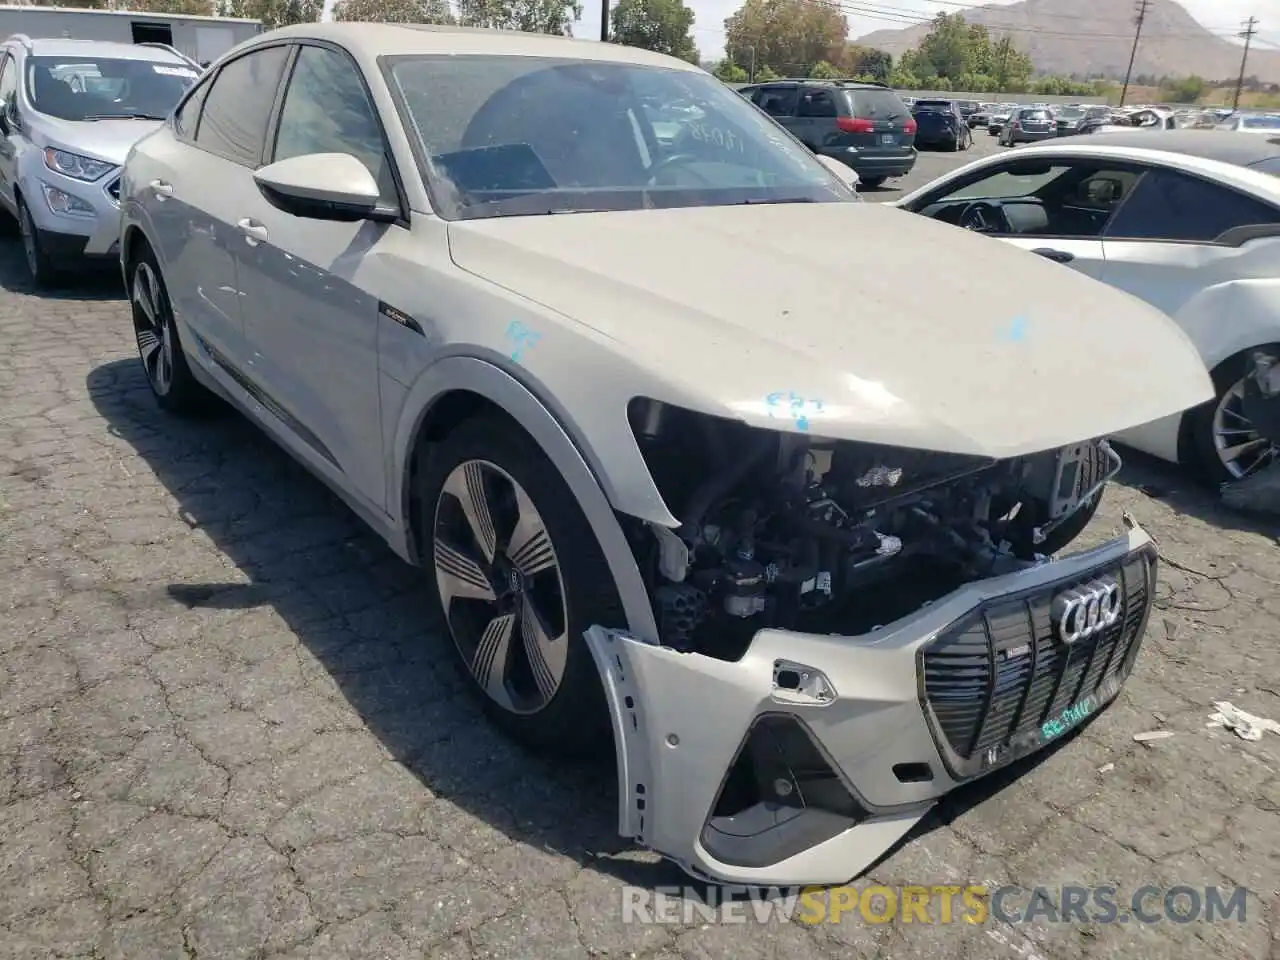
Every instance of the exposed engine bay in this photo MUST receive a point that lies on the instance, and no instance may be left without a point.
(786, 530)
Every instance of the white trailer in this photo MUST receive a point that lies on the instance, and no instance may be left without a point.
(200, 38)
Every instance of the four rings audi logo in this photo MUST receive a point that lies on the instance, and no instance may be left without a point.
(1086, 610)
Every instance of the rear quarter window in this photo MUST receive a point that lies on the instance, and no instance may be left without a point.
(877, 104)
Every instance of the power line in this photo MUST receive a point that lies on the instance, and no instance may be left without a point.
(1250, 28)
(1137, 35)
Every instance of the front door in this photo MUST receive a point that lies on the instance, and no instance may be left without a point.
(310, 322)
(8, 148)
(1054, 207)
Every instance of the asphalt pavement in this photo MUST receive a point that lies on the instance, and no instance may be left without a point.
(225, 733)
(931, 164)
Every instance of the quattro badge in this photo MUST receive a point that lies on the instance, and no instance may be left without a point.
(1086, 610)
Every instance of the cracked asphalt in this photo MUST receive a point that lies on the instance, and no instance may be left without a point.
(224, 732)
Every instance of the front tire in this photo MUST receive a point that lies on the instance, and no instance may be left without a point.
(164, 362)
(518, 577)
(39, 265)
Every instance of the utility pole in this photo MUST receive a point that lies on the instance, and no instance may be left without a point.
(1137, 33)
(1250, 28)
(604, 21)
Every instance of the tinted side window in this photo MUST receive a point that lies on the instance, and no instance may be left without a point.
(1166, 205)
(188, 115)
(817, 103)
(326, 110)
(238, 105)
(779, 101)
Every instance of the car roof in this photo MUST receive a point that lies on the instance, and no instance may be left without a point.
(1225, 146)
(372, 40)
(61, 47)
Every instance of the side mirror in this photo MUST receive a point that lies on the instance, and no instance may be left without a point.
(321, 186)
(1102, 190)
(6, 113)
(844, 173)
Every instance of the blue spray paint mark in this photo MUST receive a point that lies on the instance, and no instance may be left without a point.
(1016, 332)
(788, 403)
(521, 338)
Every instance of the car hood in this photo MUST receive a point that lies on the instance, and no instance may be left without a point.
(107, 140)
(850, 320)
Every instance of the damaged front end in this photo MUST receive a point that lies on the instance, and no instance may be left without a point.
(846, 633)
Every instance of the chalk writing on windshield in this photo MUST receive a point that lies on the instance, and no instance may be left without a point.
(718, 137)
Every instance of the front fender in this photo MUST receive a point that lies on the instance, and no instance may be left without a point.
(495, 384)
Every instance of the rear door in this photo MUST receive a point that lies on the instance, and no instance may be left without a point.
(8, 146)
(193, 185)
(1180, 238)
(817, 117)
(892, 128)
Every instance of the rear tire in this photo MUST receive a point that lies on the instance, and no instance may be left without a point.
(517, 587)
(1219, 415)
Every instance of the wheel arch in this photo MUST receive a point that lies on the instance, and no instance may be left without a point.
(458, 388)
(1186, 426)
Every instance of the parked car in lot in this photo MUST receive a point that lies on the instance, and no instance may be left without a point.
(999, 117)
(1067, 120)
(1028, 125)
(69, 112)
(863, 125)
(939, 124)
(1266, 124)
(668, 490)
(982, 116)
(1189, 221)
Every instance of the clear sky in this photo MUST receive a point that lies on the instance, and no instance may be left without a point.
(1221, 16)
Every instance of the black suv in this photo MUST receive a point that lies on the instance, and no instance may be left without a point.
(940, 124)
(864, 125)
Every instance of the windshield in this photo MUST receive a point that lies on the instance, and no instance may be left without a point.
(933, 105)
(518, 136)
(1069, 113)
(1261, 123)
(1033, 115)
(100, 87)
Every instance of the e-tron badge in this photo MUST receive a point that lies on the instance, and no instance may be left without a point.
(1086, 610)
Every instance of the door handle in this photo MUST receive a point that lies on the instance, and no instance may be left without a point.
(161, 189)
(1057, 256)
(253, 232)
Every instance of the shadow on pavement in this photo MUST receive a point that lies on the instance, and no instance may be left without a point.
(361, 613)
(1180, 489)
(90, 280)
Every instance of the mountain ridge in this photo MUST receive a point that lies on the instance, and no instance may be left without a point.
(1094, 37)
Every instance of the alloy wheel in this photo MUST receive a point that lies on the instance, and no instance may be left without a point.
(500, 586)
(152, 329)
(1241, 450)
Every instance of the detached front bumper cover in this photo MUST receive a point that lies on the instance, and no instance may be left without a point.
(807, 759)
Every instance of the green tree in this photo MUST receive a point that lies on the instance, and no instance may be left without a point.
(824, 71)
(765, 72)
(730, 72)
(948, 47)
(873, 63)
(275, 13)
(1185, 89)
(792, 35)
(1010, 67)
(530, 16)
(660, 25)
(394, 11)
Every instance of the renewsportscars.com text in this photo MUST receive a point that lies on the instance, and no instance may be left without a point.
(936, 904)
